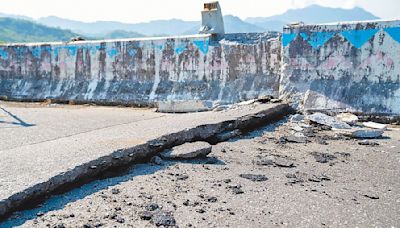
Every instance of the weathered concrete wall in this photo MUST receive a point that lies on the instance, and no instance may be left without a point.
(143, 71)
(348, 66)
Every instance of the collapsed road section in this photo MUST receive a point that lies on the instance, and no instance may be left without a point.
(48, 159)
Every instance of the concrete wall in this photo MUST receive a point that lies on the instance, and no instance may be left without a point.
(143, 71)
(345, 66)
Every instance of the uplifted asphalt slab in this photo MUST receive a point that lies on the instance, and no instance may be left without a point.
(39, 141)
(358, 187)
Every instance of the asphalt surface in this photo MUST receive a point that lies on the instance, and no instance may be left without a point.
(258, 180)
(39, 141)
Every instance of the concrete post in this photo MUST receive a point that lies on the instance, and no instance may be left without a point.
(212, 20)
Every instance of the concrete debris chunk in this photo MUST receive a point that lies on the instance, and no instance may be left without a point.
(297, 118)
(152, 207)
(285, 163)
(244, 103)
(321, 178)
(264, 99)
(326, 120)
(294, 139)
(296, 128)
(145, 215)
(156, 160)
(221, 108)
(348, 118)
(278, 162)
(236, 189)
(367, 134)
(265, 162)
(374, 125)
(188, 151)
(254, 177)
(183, 106)
(304, 125)
(368, 143)
(323, 157)
(164, 219)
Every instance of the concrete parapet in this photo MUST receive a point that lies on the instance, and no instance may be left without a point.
(349, 66)
(345, 66)
(143, 71)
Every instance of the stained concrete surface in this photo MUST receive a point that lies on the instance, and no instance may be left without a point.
(358, 186)
(143, 71)
(351, 66)
(57, 138)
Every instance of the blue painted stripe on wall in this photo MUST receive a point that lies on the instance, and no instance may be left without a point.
(112, 52)
(47, 49)
(202, 45)
(359, 37)
(94, 49)
(56, 51)
(3, 53)
(36, 52)
(317, 39)
(160, 47)
(180, 48)
(21, 50)
(287, 38)
(394, 33)
(72, 50)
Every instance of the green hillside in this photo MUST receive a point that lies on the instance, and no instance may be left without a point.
(17, 30)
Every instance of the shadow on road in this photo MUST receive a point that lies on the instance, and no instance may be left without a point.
(18, 121)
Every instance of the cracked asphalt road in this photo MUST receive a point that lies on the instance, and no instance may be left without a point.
(62, 137)
(356, 185)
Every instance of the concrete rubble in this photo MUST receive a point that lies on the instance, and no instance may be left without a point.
(375, 125)
(301, 129)
(183, 106)
(366, 134)
(156, 160)
(348, 118)
(188, 151)
(326, 120)
(297, 118)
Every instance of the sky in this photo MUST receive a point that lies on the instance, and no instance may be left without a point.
(134, 11)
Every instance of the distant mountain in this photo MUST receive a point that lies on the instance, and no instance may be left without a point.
(18, 30)
(170, 27)
(233, 24)
(311, 14)
(167, 27)
(121, 34)
(16, 16)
